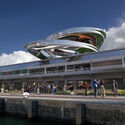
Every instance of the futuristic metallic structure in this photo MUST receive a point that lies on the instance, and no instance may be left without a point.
(68, 42)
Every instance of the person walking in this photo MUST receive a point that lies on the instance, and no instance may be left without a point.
(95, 86)
(115, 87)
(102, 88)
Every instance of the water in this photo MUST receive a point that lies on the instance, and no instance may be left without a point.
(12, 120)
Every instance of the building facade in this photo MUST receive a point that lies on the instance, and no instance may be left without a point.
(107, 65)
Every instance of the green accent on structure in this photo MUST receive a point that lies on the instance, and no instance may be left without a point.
(69, 37)
(84, 50)
(41, 56)
(16, 72)
(25, 71)
(99, 39)
(102, 32)
(124, 60)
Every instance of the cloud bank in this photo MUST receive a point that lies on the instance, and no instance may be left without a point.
(16, 57)
(115, 39)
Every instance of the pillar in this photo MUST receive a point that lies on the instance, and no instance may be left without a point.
(44, 88)
(74, 88)
(38, 90)
(80, 114)
(65, 68)
(32, 109)
(2, 103)
(123, 84)
(45, 70)
(65, 82)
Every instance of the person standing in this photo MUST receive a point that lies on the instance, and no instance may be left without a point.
(102, 88)
(28, 89)
(95, 86)
(49, 88)
(115, 87)
(86, 88)
(54, 89)
(65, 88)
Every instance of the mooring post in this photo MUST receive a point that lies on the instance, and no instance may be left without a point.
(32, 109)
(80, 114)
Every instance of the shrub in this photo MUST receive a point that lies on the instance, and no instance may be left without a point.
(5, 90)
(121, 92)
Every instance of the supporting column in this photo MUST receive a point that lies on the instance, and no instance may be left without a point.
(80, 114)
(45, 70)
(32, 109)
(2, 103)
(38, 90)
(123, 83)
(65, 82)
(91, 67)
(28, 72)
(74, 88)
(44, 88)
(65, 68)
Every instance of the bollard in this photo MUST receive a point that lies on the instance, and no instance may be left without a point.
(80, 114)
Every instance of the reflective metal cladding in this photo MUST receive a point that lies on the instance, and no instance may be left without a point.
(68, 42)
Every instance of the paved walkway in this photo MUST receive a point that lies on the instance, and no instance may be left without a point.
(68, 98)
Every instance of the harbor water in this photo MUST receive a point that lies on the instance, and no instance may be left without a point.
(16, 120)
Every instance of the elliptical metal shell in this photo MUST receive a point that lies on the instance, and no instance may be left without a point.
(68, 42)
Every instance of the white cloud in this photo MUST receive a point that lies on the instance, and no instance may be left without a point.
(115, 38)
(16, 57)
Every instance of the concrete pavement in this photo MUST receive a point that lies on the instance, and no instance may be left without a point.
(74, 98)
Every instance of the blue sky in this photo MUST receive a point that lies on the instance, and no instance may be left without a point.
(22, 21)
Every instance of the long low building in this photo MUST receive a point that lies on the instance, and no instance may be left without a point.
(107, 65)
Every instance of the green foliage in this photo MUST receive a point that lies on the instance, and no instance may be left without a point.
(67, 92)
(2, 86)
(121, 92)
(16, 90)
(63, 92)
(90, 92)
(6, 91)
(84, 50)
